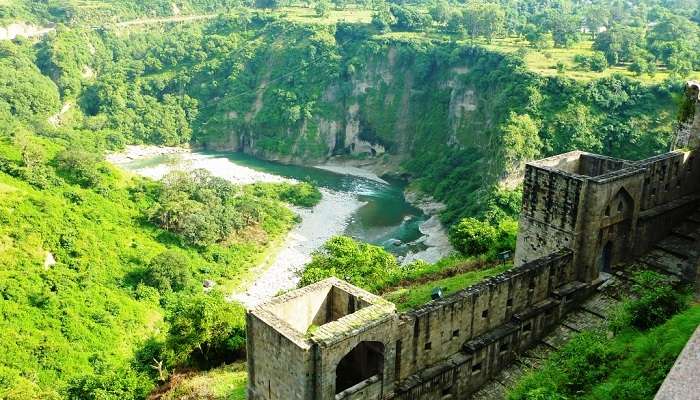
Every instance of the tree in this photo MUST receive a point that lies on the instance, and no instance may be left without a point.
(168, 271)
(521, 141)
(321, 8)
(80, 165)
(205, 329)
(484, 19)
(596, 17)
(473, 237)
(408, 19)
(361, 264)
(565, 28)
(440, 11)
(270, 4)
(620, 43)
(339, 4)
(382, 18)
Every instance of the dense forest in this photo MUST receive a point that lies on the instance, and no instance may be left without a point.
(101, 279)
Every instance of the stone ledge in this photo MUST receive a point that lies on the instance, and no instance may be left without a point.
(683, 382)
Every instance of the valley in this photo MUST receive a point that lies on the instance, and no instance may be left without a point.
(166, 165)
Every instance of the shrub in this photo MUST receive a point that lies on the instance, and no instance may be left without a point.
(205, 330)
(302, 194)
(472, 237)
(361, 264)
(657, 302)
(168, 272)
(80, 166)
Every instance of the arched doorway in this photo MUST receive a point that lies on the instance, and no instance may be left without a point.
(605, 258)
(362, 362)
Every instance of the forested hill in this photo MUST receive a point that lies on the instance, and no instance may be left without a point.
(430, 91)
(102, 273)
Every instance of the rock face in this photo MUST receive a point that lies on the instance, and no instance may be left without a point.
(385, 109)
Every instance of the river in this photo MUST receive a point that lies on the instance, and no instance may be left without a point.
(355, 203)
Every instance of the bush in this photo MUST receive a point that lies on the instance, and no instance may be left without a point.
(364, 265)
(301, 194)
(80, 166)
(169, 271)
(657, 302)
(205, 330)
(472, 237)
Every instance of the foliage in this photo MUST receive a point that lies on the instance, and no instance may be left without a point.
(168, 271)
(656, 301)
(412, 295)
(471, 236)
(362, 264)
(630, 365)
(205, 329)
(301, 194)
(205, 209)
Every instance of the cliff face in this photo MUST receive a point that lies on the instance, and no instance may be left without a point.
(452, 116)
(378, 101)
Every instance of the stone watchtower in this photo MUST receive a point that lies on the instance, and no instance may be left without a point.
(689, 130)
(329, 340)
(608, 210)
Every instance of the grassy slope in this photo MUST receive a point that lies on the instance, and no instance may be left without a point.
(227, 382)
(59, 318)
(414, 295)
(635, 363)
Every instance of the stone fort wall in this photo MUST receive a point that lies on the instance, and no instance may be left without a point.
(581, 214)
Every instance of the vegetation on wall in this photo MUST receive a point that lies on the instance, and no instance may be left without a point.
(632, 363)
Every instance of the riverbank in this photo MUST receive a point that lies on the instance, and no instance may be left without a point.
(435, 236)
(327, 219)
(185, 159)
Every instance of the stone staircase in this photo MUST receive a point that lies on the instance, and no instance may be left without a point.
(676, 256)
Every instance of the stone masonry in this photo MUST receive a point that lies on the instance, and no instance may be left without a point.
(582, 215)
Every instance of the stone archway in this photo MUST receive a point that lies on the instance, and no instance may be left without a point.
(363, 362)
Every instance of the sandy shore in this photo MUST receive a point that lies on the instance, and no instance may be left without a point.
(184, 159)
(327, 219)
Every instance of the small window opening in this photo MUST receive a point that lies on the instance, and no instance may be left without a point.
(532, 284)
(455, 333)
(653, 192)
(504, 347)
(476, 368)
(485, 314)
(509, 303)
(607, 211)
(527, 327)
(428, 346)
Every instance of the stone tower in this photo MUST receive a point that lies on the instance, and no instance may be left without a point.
(688, 135)
(326, 341)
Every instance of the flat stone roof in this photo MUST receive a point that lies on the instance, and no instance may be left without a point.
(683, 382)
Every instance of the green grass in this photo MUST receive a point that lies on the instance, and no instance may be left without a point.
(224, 383)
(632, 365)
(308, 15)
(544, 61)
(87, 305)
(412, 296)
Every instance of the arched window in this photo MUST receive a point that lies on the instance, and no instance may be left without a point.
(362, 362)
